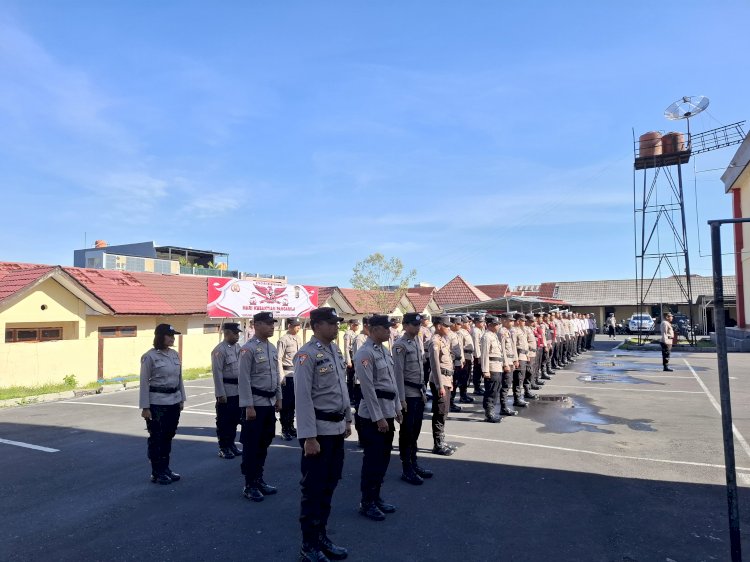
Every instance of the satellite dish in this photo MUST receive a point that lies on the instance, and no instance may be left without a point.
(686, 107)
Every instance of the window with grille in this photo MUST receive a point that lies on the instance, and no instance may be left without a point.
(21, 335)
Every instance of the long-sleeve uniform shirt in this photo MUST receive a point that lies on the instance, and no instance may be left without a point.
(374, 367)
(408, 362)
(288, 347)
(509, 346)
(530, 341)
(468, 344)
(521, 343)
(349, 336)
(492, 357)
(320, 384)
(476, 338)
(667, 332)
(457, 348)
(358, 341)
(160, 368)
(424, 338)
(259, 371)
(441, 361)
(225, 366)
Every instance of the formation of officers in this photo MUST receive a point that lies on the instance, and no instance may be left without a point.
(386, 373)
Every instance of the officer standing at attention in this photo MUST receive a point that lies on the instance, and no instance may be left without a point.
(522, 349)
(424, 337)
(162, 397)
(457, 351)
(667, 337)
(531, 380)
(356, 393)
(225, 366)
(349, 337)
(510, 352)
(441, 381)
(493, 367)
(407, 364)
(324, 420)
(468, 347)
(395, 331)
(476, 335)
(379, 407)
(260, 396)
(288, 346)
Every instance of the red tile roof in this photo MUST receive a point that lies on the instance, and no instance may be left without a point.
(419, 301)
(496, 291)
(15, 277)
(459, 291)
(422, 290)
(324, 293)
(144, 293)
(368, 302)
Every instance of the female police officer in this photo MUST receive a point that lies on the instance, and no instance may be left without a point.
(162, 396)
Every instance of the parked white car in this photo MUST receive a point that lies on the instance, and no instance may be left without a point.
(641, 323)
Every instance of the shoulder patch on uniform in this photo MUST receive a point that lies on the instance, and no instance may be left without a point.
(398, 349)
(365, 362)
(302, 357)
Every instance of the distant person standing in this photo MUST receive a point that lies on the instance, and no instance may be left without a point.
(667, 337)
(288, 347)
(162, 397)
(225, 366)
(611, 323)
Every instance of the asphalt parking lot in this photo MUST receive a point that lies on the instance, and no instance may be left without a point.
(619, 461)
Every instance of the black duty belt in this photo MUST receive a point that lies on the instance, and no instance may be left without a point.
(230, 381)
(493, 358)
(468, 350)
(385, 394)
(264, 393)
(163, 389)
(329, 416)
(414, 385)
(446, 373)
(288, 367)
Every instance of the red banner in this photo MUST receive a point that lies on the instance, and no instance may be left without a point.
(234, 298)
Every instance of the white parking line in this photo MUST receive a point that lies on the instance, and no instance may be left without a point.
(129, 406)
(197, 386)
(29, 446)
(585, 452)
(716, 406)
(587, 387)
(198, 405)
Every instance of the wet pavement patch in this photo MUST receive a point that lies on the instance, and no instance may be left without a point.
(615, 377)
(571, 414)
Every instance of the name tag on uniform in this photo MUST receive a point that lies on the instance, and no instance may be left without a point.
(325, 369)
(261, 358)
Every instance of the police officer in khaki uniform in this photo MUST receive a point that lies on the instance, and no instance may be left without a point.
(476, 331)
(467, 342)
(260, 397)
(349, 336)
(510, 352)
(494, 367)
(225, 367)
(425, 335)
(288, 347)
(407, 364)
(666, 341)
(522, 373)
(531, 380)
(441, 382)
(324, 420)
(379, 407)
(457, 351)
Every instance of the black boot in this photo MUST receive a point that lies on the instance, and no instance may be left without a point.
(441, 448)
(530, 396)
(421, 472)
(545, 376)
(490, 417)
(226, 453)
(371, 511)
(333, 551)
(409, 475)
(505, 411)
(311, 553)
(252, 492)
(265, 489)
(465, 398)
(384, 506)
(235, 450)
(520, 403)
(454, 408)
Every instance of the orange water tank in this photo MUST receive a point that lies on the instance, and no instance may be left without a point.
(649, 144)
(672, 142)
(100, 244)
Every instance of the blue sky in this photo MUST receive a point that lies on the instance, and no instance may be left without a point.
(491, 139)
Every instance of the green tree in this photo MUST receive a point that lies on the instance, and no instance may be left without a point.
(384, 278)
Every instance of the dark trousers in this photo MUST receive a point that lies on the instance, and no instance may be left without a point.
(590, 339)
(491, 393)
(287, 404)
(666, 351)
(440, 409)
(377, 449)
(228, 417)
(557, 355)
(518, 380)
(356, 398)
(320, 476)
(477, 375)
(460, 380)
(161, 430)
(349, 380)
(506, 382)
(408, 433)
(256, 437)
(427, 370)
(527, 374)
